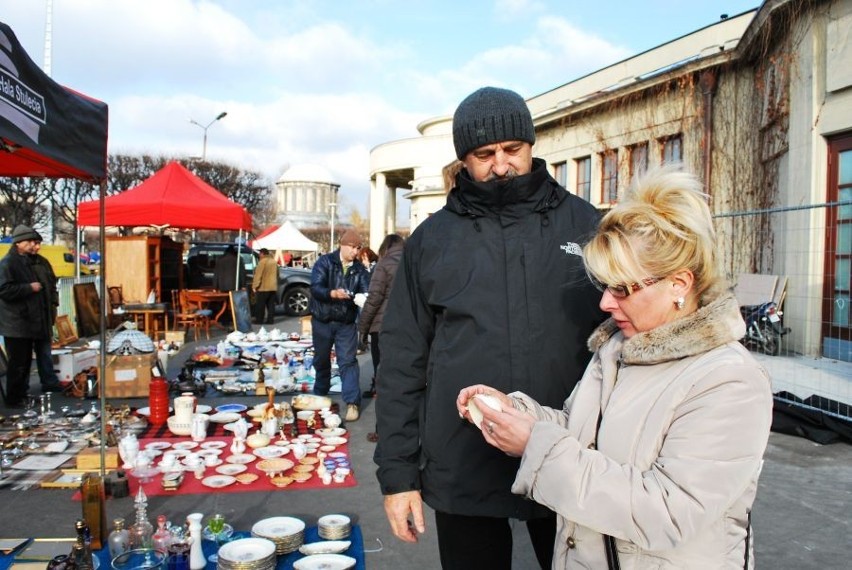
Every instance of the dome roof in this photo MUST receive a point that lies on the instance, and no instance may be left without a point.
(307, 173)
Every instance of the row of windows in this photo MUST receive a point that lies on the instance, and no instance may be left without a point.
(669, 149)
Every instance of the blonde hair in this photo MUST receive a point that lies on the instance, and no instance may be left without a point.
(662, 226)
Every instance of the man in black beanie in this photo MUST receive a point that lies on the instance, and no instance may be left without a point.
(25, 312)
(491, 289)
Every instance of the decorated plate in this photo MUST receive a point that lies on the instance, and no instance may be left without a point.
(325, 562)
(231, 469)
(245, 550)
(218, 481)
(224, 417)
(214, 444)
(278, 527)
(246, 478)
(226, 408)
(158, 445)
(241, 458)
(275, 465)
(271, 451)
(325, 547)
(185, 445)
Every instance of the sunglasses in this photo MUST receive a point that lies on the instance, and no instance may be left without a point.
(622, 291)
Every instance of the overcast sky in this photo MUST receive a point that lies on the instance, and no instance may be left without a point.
(324, 81)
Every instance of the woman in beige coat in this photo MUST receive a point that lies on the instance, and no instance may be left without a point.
(653, 460)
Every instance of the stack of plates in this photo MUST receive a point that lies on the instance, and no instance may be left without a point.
(247, 554)
(287, 533)
(334, 527)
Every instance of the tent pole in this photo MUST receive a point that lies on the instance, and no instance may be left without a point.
(103, 326)
(239, 258)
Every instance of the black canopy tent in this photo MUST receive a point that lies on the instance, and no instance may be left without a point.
(47, 130)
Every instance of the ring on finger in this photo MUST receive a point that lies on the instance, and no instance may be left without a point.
(491, 427)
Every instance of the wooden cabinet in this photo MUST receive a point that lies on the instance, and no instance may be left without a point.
(141, 264)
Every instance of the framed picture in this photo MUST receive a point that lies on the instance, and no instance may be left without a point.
(65, 330)
(88, 305)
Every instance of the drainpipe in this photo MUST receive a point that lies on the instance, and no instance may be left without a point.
(707, 84)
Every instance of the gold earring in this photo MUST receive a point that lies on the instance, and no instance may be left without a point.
(679, 303)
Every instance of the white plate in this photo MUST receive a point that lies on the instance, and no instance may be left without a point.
(241, 458)
(325, 547)
(206, 452)
(202, 408)
(231, 469)
(278, 527)
(271, 451)
(158, 445)
(146, 411)
(224, 417)
(334, 440)
(214, 444)
(218, 481)
(325, 562)
(247, 550)
(185, 445)
(331, 432)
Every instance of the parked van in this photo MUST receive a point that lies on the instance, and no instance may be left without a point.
(60, 257)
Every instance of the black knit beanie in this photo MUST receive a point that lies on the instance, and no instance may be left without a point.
(490, 115)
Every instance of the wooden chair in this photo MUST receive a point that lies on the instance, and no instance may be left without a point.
(187, 316)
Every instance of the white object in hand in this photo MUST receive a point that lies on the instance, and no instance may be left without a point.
(473, 406)
(360, 299)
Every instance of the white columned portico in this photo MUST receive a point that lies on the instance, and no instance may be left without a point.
(378, 209)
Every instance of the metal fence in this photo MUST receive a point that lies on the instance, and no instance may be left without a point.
(814, 367)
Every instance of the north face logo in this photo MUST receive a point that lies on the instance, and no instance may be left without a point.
(572, 248)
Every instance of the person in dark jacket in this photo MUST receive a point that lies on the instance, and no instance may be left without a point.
(335, 280)
(490, 290)
(25, 312)
(225, 272)
(44, 346)
(370, 320)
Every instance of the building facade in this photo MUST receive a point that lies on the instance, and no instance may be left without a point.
(306, 195)
(759, 105)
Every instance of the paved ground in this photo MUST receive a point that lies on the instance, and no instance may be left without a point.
(801, 517)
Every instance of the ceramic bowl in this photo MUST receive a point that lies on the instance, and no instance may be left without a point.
(178, 427)
(257, 440)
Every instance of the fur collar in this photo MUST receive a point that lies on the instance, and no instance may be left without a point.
(717, 323)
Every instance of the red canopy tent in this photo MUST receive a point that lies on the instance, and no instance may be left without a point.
(173, 197)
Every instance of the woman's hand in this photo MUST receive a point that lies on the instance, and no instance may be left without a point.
(508, 430)
(467, 393)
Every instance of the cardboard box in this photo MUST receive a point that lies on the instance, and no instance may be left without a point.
(306, 326)
(69, 364)
(128, 376)
(177, 337)
(90, 458)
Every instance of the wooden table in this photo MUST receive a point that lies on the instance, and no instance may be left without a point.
(204, 298)
(150, 316)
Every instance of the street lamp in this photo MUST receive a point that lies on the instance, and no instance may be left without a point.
(204, 128)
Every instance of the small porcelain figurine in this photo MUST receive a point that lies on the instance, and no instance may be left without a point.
(197, 561)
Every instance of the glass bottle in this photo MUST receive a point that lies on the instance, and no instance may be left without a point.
(142, 531)
(162, 537)
(82, 547)
(178, 549)
(119, 539)
(94, 511)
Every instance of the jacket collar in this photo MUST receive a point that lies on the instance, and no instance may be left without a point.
(716, 323)
(536, 191)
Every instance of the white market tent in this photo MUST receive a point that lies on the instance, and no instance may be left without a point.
(286, 238)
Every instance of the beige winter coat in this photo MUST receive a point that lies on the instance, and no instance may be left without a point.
(686, 417)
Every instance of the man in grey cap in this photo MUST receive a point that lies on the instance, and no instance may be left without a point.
(491, 289)
(335, 280)
(26, 312)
